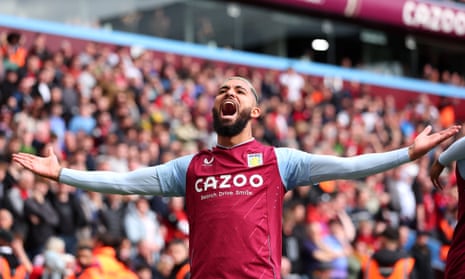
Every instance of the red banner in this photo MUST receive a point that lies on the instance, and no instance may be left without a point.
(444, 18)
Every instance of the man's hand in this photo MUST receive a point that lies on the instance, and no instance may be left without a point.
(48, 167)
(424, 142)
(435, 173)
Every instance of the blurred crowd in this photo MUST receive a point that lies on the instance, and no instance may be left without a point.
(121, 108)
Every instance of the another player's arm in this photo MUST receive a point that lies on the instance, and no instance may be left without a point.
(455, 152)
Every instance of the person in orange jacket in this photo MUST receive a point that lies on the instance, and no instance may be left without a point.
(14, 263)
(13, 51)
(390, 261)
(105, 255)
(87, 266)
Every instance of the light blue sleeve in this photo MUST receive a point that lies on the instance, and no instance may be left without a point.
(167, 179)
(299, 168)
(455, 152)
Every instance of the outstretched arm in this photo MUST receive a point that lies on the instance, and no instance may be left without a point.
(144, 181)
(455, 152)
(48, 166)
(425, 141)
(301, 168)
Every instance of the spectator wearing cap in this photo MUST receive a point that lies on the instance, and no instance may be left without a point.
(390, 261)
(421, 252)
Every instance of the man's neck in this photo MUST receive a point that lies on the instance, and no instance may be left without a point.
(233, 141)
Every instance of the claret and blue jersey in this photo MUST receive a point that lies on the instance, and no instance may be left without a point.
(234, 198)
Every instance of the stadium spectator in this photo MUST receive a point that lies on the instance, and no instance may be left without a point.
(421, 253)
(178, 249)
(294, 235)
(40, 47)
(8, 87)
(70, 215)
(163, 267)
(141, 223)
(16, 197)
(402, 195)
(43, 84)
(105, 254)
(111, 215)
(83, 121)
(292, 84)
(7, 260)
(144, 272)
(175, 220)
(317, 254)
(53, 262)
(143, 257)
(12, 50)
(69, 96)
(390, 260)
(13, 259)
(87, 266)
(41, 218)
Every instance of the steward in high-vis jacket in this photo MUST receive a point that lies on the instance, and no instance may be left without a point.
(390, 261)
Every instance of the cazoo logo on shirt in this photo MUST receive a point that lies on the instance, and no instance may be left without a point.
(227, 181)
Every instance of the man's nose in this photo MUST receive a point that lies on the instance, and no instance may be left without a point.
(230, 92)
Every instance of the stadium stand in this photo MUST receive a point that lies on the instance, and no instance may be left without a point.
(117, 101)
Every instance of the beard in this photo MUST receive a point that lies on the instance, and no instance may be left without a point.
(230, 130)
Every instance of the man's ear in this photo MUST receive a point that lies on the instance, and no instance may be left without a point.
(256, 112)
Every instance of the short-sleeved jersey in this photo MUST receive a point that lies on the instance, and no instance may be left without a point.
(234, 203)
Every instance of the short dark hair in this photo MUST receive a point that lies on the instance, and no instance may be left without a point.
(391, 233)
(252, 88)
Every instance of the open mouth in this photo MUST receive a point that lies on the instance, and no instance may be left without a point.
(228, 108)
